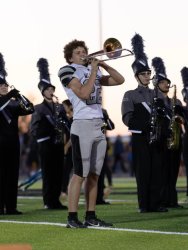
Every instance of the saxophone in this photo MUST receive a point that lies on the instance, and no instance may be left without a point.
(173, 141)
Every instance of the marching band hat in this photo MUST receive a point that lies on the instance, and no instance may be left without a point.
(184, 75)
(45, 82)
(160, 70)
(140, 64)
(3, 72)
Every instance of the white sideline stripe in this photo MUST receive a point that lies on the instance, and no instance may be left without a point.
(81, 200)
(30, 197)
(99, 228)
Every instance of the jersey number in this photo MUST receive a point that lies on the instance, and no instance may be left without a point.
(95, 97)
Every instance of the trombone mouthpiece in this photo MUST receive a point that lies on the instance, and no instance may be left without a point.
(84, 59)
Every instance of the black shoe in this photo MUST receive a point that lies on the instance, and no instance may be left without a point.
(2, 212)
(143, 210)
(75, 223)
(56, 207)
(175, 206)
(13, 212)
(95, 222)
(102, 202)
(60, 206)
(159, 209)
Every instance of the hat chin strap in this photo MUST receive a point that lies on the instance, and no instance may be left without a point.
(48, 98)
(163, 91)
(140, 82)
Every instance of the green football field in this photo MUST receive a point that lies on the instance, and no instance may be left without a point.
(44, 229)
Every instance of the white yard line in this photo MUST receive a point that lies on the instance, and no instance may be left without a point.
(98, 228)
(81, 200)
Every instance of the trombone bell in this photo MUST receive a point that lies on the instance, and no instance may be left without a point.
(113, 48)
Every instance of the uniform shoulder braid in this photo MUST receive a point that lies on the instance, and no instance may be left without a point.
(66, 74)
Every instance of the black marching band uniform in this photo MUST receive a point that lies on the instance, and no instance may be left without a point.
(184, 75)
(139, 110)
(68, 163)
(171, 135)
(12, 105)
(108, 125)
(47, 127)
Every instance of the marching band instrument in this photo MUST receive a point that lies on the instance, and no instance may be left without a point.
(175, 129)
(112, 48)
(59, 135)
(154, 133)
(158, 112)
(23, 101)
(61, 122)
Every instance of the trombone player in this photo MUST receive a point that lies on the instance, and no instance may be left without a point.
(12, 105)
(82, 82)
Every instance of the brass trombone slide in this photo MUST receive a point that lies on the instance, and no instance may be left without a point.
(112, 48)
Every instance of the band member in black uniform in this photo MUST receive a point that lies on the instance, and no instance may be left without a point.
(108, 125)
(12, 105)
(171, 135)
(138, 113)
(184, 75)
(47, 126)
(68, 163)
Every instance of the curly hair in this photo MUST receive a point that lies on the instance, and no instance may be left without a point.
(67, 102)
(68, 49)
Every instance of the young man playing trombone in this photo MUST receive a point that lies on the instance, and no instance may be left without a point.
(82, 82)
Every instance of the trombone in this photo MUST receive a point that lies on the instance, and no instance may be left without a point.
(112, 48)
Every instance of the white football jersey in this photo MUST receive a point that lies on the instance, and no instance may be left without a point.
(83, 109)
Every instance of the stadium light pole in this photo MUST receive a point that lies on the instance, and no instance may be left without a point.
(100, 36)
(100, 22)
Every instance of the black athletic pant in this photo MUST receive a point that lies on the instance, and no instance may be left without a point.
(52, 160)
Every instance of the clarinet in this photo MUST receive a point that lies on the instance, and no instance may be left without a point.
(153, 135)
(59, 124)
(155, 126)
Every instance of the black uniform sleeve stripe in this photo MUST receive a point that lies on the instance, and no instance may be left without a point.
(65, 74)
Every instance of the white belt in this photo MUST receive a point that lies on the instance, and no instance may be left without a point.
(43, 139)
(135, 131)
